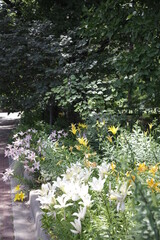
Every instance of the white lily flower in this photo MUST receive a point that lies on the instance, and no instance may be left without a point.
(71, 189)
(86, 200)
(81, 214)
(47, 200)
(83, 190)
(97, 184)
(62, 200)
(77, 225)
(45, 188)
(119, 197)
(104, 168)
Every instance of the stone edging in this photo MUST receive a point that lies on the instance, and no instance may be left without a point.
(26, 215)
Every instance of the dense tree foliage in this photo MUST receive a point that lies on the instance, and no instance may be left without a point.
(90, 56)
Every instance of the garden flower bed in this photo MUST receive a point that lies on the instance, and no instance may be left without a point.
(90, 186)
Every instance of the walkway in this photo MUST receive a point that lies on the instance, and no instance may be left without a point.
(7, 123)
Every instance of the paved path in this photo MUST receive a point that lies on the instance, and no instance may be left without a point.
(7, 123)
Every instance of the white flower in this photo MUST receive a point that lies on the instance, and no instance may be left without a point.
(86, 200)
(119, 196)
(77, 225)
(7, 175)
(104, 169)
(62, 200)
(83, 191)
(36, 165)
(71, 189)
(47, 200)
(45, 188)
(81, 214)
(97, 184)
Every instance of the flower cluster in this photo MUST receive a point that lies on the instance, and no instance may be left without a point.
(22, 150)
(8, 174)
(20, 195)
(57, 135)
(76, 189)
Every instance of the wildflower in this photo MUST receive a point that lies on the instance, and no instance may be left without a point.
(150, 126)
(83, 141)
(81, 214)
(70, 148)
(36, 165)
(153, 169)
(7, 175)
(97, 184)
(62, 200)
(73, 129)
(77, 225)
(145, 133)
(47, 200)
(17, 188)
(17, 197)
(104, 169)
(82, 125)
(86, 200)
(90, 164)
(109, 139)
(142, 167)
(119, 197)
(113, 130)
(78, 147)
(45, 188)
(21, 196)
(113, 166)
(153, 185)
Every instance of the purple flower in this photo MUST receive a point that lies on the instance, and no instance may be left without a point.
(36, 165)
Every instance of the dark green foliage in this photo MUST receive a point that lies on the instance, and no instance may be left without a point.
(88, 56)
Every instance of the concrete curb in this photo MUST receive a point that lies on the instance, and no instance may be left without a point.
(26, 215)
(37, 215)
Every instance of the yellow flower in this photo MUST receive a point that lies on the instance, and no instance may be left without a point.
(142, 167)
(88, 155)
(78, 147)
(113, 166)
(150, 183)
(145, 133)
(21, 196)
(109, 139)
(153, 169)
(150, 125)
(42, 158)
(153, 185)
(71, 148)
(128, 174)
(82, 125)
(90, 164)
(113, 130)
(17, 188)
(83, 141)
(73, 129)
(17, 197)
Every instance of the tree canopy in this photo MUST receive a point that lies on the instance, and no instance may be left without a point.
(90, 56)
